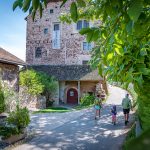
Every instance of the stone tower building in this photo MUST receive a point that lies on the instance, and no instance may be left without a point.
(59, 50)
(52, 42)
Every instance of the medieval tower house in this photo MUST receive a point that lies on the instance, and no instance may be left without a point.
(59, 50)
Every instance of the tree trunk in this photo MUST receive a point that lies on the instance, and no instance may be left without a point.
(144, 103)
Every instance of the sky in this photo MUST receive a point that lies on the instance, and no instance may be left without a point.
(12, 29)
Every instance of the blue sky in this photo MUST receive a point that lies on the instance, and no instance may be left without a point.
(12, 29)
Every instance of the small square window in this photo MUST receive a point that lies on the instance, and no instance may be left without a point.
(56, 27)
(51, 11)
(87, 46)
(46, 31)
(82, 24)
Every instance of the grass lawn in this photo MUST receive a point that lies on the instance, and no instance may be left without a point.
(79, 107)
(53, 110)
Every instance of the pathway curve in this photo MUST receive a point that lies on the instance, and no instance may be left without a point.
(78, 130)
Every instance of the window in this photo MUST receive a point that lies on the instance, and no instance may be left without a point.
(85, 62)
(51, 11)
(56, 36)
(82, 24)
(71, 93)
(87, 46)
(56, 27)
(38, 52)
(46, 31)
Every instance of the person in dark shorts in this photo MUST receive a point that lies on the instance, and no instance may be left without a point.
(126, 104)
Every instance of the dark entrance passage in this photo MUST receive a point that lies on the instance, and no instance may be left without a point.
(72, 96)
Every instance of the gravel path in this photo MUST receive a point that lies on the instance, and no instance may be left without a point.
(77, 130)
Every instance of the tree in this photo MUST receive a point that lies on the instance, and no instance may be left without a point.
(122, 51)
(2, 100)
(38, 83)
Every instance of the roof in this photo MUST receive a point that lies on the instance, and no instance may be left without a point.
(69, 72)
(7, 57)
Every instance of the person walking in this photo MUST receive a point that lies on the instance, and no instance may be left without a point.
(114, 113)
(98, 106)
(126, 104)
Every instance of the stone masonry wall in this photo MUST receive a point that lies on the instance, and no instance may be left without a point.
(70, 51)
(9, 74)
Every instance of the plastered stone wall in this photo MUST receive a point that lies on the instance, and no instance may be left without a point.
(9, 75)
(71, 42)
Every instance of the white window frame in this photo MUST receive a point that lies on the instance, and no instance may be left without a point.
(56, 36)
(87, 50)
(75, 26)
(82, 25)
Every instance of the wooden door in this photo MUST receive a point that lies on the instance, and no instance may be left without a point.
(72, 96)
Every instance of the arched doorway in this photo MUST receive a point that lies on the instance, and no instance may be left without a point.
(72, 96)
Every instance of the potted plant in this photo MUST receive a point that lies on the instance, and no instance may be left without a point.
(17, 122)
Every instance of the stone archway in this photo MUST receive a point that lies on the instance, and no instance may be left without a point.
(72, 96)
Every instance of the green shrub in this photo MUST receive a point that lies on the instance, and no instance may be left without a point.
(87, 100)
(2, 100)
(32, 81)
(130, 136)
(6, 132)
(19, 118)
(38, 83)
(49, 103)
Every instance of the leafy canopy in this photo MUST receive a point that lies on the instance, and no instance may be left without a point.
(37, 82)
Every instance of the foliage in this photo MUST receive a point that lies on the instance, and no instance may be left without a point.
(130, 136)
(2, 100)
(37, 82)
(32, 81)
(49, 103)
(122, 51)
(53, 110)
(122, 48)
(141, 142)
(11, 98)
(6, 132)
(87, 100)
(19, 118)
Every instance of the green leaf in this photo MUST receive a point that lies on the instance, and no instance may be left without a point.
(35, 4)
(100, 70)
(84, 31)
(110, 56)
(95, 36)
(30, 10)
(119, 50)
(89, 36)
(64, 1)
(40, 10)
(129, 26)
(73, 11)
(135, 9)
(33, 14)
(26, 5)
(15, 4)
(45, 3)
(81, 3)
